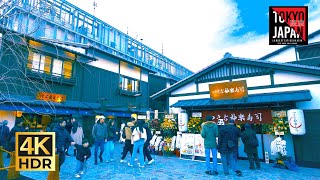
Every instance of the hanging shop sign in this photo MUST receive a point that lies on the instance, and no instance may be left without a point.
(251, 116)
(279, 114)
(169, 116)
(296, 122)
(228, 90)
(183, 122)
(45, 96)
(196, 114)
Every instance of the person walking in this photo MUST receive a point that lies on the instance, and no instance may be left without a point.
(12, 135)
(128, 147)
(146, 152)
(139, 137)
(4, 133)
(83, 154)
(77, 135)
(251, 144)
(100, 135)
(110, 140)
(227, 142)
(62, 138)
(68, 127)
(210, 133)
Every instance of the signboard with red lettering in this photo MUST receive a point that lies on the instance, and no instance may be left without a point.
(241, 116)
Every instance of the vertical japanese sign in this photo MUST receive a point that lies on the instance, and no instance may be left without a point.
(288, 25)
(228, 90)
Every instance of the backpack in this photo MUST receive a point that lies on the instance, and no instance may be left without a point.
(253, 141)
(124, 131)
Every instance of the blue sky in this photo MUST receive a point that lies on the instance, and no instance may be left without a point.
(196, 34)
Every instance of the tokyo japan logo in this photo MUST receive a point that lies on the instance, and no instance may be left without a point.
(288, 25)
(35, 152)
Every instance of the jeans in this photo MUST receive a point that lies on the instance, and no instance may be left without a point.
(214, 159)
(109, 150)
(80, 166)
(98, 143)
(228, 158)
(138, 145)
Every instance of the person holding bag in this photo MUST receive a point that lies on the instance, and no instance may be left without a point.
(138, 138)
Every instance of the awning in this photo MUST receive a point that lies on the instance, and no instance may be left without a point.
(28, 104)
(289, 96)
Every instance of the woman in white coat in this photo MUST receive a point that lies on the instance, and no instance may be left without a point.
(77, 135)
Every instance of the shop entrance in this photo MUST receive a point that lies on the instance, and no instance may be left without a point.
(306, 156)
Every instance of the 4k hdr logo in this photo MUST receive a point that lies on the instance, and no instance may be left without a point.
(35, 151)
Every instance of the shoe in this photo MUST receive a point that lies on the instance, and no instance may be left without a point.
(81, 172)
(141, 166)
(208, 172)
(123, 161)
(214, 173)
(135, 159)
(151, 161)
(95, 162)
(77, 176)
(107, 161)
(239, 173)
(101, 160)
(130, 165)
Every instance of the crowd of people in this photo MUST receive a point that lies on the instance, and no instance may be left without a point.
(136, 134)
(225, 140)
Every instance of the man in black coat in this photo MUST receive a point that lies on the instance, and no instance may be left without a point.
(12, 135)
(227, 145)
(251, 144)
(62, 138)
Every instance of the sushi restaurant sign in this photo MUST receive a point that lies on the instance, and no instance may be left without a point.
(228, 90)
(45, 96)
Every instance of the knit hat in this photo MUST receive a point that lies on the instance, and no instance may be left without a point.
(208, 118)
(85, 141)
(231, 121)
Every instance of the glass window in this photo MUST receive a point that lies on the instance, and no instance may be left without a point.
(129, 84)
(38, 62)
(57, 67)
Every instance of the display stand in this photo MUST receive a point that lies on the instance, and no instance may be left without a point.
(187, 146)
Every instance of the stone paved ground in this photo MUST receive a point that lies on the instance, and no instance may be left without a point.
(170, 168)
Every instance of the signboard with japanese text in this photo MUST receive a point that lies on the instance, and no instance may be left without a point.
(199, 146)
(251, 116)
(228, 90)
(187, 144)
(45, 96)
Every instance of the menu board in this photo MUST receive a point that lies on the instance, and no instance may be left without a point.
(187, 144)
(199, 145)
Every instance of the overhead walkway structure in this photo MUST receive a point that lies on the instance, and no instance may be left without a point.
(63, 22)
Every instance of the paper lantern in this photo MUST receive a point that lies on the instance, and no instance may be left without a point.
(296, 122)
(183, 122)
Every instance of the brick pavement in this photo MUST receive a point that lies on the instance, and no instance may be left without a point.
(170, 168)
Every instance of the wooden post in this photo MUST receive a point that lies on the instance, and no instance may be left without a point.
(12, 173)
(1, 158)
(55, 175)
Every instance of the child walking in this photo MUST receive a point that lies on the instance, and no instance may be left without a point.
(83, 154)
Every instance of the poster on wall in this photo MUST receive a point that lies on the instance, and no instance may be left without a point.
(199, 145)
(187, 144)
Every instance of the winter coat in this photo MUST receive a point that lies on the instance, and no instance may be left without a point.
(100, 131)
(136, 136)
(246, 136)
(228, 132)
(111, 133)
(78, 135)
(69, 127)
(4, 134)
(209, 133)
(62, 137)
(128, 130)
(82, 151)
(149, 135)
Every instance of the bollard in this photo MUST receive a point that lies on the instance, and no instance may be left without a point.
(55, 175)
(12, 173)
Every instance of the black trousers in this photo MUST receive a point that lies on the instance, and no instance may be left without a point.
(128, 147)
(62, 157)
(253, 158)
(146, 152)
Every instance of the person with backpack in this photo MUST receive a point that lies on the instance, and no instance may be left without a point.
(127, 136)
(146, 152)
(209, 133)
(138, 137)
(251, 144)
